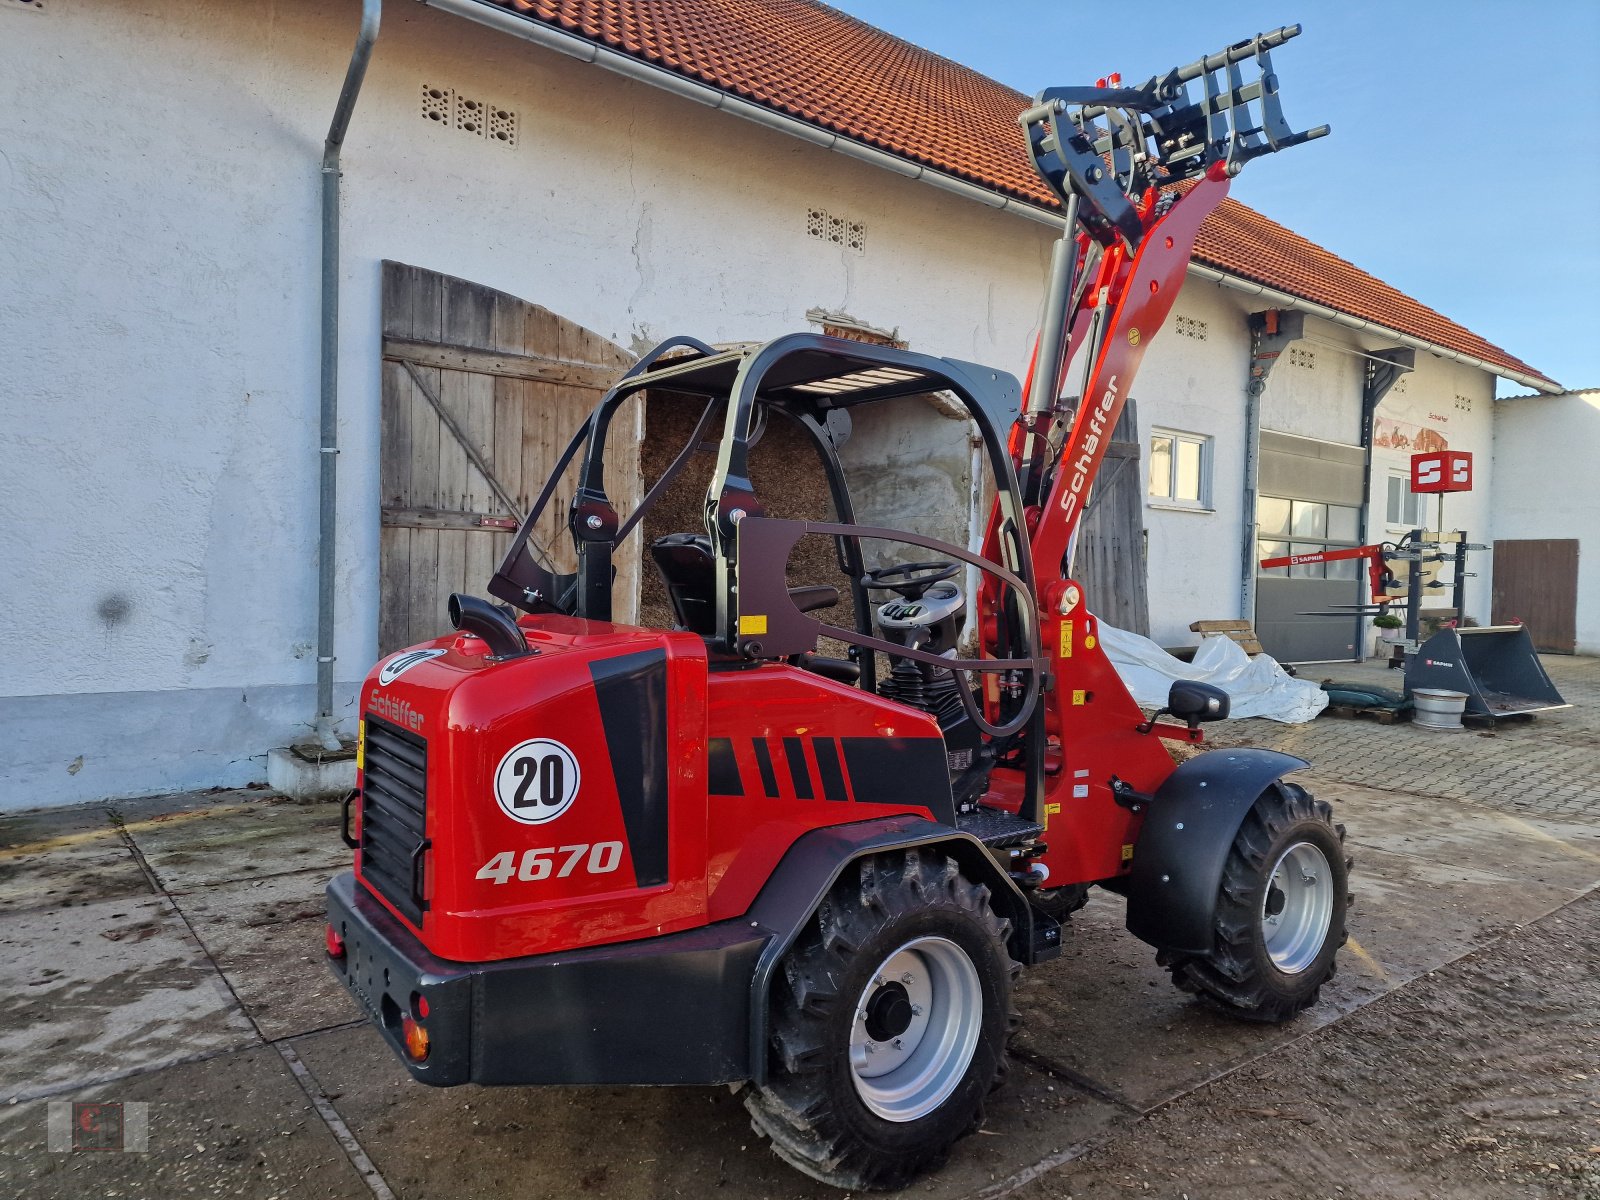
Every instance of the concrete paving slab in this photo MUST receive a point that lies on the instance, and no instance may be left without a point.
(1107, 1012)
(240, 840)
(1464, 834)
(266, 936)
(96, 989)
(1412, 915)
(233, 1125)
(52, 859)
(632, 1143)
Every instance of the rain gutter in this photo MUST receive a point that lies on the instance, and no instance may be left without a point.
(584, 50)
(1279, 299)
(485, 12)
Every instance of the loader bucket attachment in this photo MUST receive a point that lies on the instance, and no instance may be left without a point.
(1495, 666)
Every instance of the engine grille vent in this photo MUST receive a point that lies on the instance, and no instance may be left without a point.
(394, 805)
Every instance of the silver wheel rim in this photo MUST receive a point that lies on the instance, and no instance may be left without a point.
(933, 986)
(1297, 907)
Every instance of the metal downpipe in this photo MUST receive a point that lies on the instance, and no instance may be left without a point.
(1252, 478)
(328, 451)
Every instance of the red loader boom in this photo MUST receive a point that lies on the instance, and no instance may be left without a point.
(588, 852)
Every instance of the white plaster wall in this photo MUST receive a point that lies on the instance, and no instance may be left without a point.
(1458, 402)
(1194, 556)
(158, 411)
(1322, 401)
(158, 448)
(1545, 448)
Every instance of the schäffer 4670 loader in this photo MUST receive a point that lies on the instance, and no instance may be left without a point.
(588, 852)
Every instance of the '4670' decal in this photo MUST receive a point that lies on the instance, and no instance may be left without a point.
(599, 858)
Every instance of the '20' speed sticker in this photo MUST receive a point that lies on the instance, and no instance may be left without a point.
(536, 781)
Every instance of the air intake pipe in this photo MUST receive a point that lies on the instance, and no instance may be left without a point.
(493, 624)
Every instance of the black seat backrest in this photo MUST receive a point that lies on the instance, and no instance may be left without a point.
(690, 573)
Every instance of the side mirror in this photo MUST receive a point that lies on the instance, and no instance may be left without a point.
(1193, 702)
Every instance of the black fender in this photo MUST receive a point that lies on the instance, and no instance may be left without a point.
(814, 863)
(1180, 852)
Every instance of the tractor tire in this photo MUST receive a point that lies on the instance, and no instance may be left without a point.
(889, 1022)
(1280, 911)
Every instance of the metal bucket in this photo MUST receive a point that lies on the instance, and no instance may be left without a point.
(1435, 708)
(1495, 665)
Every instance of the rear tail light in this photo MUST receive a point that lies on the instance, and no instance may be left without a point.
(335, 942)
(416, 1038)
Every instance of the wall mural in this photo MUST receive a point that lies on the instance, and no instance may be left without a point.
(1389, 434)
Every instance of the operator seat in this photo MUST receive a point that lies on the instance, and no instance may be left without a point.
(689, 570)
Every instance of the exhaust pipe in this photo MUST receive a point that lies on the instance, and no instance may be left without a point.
(493, 624)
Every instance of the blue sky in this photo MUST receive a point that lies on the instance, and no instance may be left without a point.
(1464, 163)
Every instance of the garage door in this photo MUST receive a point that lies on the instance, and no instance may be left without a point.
(1309, 500)
(1536, 584)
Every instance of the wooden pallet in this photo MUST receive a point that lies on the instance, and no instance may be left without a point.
(1383, 716)
(1240, 631)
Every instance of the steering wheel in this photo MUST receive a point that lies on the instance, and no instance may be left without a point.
(910, 580)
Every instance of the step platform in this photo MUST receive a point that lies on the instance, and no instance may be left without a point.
(996, 829)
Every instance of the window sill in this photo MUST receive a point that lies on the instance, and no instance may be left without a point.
(1169, 506)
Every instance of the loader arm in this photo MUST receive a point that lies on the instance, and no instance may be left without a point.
(1137, 170)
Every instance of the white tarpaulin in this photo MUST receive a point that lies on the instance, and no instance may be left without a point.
(1256, 687)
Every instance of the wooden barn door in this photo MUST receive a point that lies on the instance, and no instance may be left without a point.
(1536, 582)
(481, 392)
(1110, 562)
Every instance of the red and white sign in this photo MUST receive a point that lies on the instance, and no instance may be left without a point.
(1442, 471)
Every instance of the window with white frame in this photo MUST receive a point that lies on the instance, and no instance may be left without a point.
(1287, 527)
(1180, 469)
(1405, 509)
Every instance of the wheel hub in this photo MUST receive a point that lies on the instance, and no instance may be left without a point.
(915, 1028)
(1297, 908)
(888, 1012)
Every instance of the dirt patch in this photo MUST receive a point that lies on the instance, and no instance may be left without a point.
(1481, 1079)
(235, 1125)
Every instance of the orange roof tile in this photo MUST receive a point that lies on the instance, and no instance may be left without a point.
(843, 75)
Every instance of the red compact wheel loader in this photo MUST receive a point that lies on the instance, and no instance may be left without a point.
(594, 853)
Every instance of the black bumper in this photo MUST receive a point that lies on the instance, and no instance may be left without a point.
(666, 1010)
